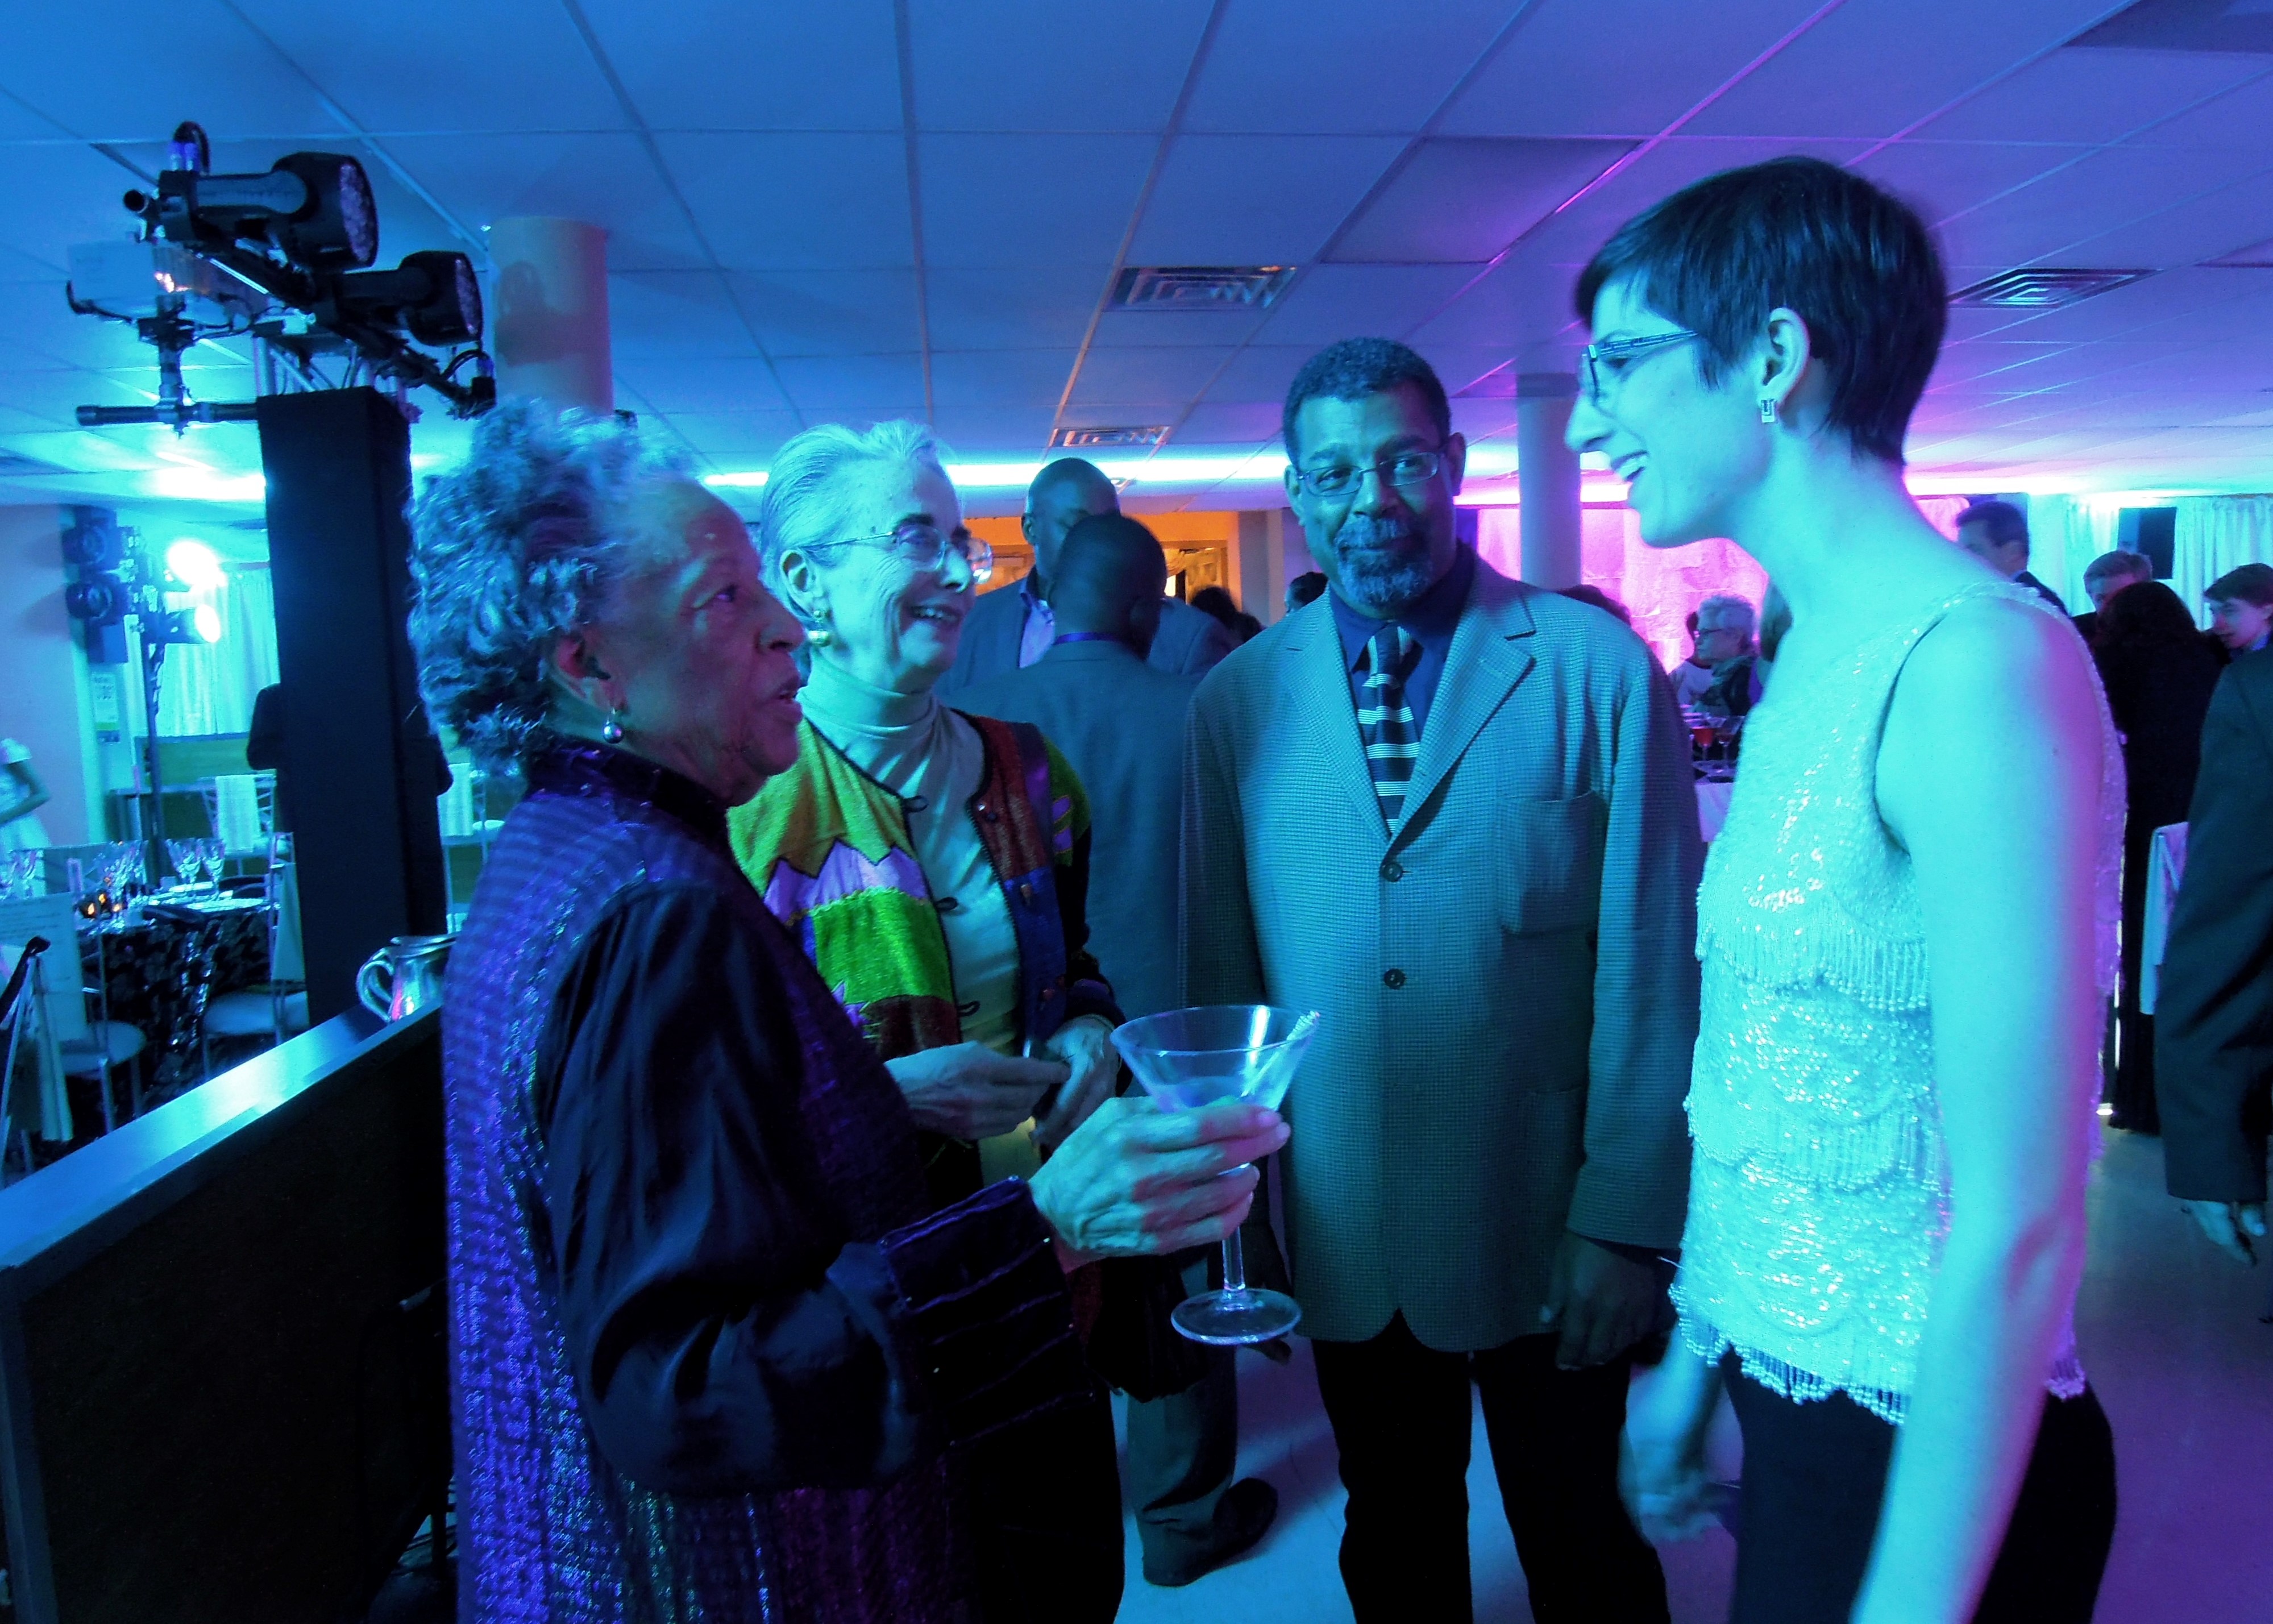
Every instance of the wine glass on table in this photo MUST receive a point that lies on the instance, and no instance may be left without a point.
(1187, 1058)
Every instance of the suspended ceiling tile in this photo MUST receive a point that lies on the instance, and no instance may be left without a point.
(606, 180)
(735, 440)
(1246, 424)
(131, 70)
(965, 79)
(1942, 178)
(725, 65)
(665, 314)
(854, 387)
(1029, 200)
(2111, 187)
(1027, 377)
(796, 201)
(59, 194)
(400, 69)
(1257, 200)
(830, 312)
(1137, 329)
(1571, 69)
(1164, 373)
(2239, 118)
(1466, 199)
(1012, 307)
(2090, 96)
(1295, 67)
(721, 384)
(1331, 301)
(1839, 79)
(1261, 372)
(2206, 227)
(1519, 302)
(975, 432)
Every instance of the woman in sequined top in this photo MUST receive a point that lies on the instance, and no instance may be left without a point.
(1906, 938)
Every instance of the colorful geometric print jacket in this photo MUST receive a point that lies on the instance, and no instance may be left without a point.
(828, 849)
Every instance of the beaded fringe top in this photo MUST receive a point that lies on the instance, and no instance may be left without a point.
(1818, 1198)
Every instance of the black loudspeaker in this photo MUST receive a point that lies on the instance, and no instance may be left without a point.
(2152, 531)
(360, 770)
(94, 596)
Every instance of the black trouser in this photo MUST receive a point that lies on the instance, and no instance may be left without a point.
(1045, 1524)
(1401, 1420)
(1182, 1449)
(1815, 1473)
(2132, 1094)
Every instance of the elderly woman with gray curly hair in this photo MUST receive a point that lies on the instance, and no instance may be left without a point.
(717, 1352)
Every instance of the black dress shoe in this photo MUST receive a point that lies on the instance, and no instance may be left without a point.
(1242, 1516)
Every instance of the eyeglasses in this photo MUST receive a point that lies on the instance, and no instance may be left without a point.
(926, 546)
(1607, 363)
(1406, 468)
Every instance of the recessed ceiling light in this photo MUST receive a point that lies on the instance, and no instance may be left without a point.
(1201, 287)
(2041, 288)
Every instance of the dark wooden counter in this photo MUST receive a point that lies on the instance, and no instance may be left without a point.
(221, 1371)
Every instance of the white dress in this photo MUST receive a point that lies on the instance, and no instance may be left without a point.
(26, 833)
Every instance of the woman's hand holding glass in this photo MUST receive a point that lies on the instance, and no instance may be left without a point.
(1085, 1045)
(1137, 1181)
(967, 1091)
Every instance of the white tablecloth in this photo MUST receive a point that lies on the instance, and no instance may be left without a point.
(1712, 806)
(2166, 863)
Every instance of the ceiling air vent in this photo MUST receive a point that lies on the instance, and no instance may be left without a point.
(1200, 287)
(2042, 288)
(1098, 440)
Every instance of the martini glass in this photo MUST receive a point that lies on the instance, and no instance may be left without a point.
(1187, 1058)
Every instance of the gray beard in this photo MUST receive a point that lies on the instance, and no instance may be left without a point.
(1382, 566)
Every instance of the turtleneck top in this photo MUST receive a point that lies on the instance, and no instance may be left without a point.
(932, 760)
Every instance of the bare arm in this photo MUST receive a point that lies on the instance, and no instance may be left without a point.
(1989, 773)
(35, 792)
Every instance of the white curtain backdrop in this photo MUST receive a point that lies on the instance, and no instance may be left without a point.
(2215, 534)
(2065, 534)
(208, 687)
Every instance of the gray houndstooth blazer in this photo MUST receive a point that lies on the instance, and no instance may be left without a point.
(1509, 985)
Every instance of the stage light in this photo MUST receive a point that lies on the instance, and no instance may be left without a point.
(199, 625)
(97, 597)
(195, 565)
(93, 541)
(434, 295)
(315, 207)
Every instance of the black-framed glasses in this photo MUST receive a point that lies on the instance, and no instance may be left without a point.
(1607, 363)
(926, 546)
(1406, 468)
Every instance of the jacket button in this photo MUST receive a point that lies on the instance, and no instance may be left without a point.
(1393, 870)
(1393, 978)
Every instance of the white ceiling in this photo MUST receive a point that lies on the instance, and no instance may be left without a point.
(1438, 171)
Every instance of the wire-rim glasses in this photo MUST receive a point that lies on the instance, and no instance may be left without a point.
(926, 546)
(1405, 469)
(1605, 362)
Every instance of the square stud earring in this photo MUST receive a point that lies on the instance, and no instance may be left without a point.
(1767, 408)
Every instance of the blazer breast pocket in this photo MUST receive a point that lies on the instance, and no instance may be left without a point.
(1547, 864)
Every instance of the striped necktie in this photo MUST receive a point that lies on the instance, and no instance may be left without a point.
(1384, 722)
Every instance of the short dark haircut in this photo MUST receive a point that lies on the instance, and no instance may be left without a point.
(2132, 565)
(1357, 367)
(2004, 523)
(1306, 587)
(2252, 583)
(1856, 263)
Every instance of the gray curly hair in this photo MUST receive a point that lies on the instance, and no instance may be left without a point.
(807, 500)
(510, 550)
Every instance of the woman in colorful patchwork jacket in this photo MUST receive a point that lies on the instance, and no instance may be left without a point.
(935, 865)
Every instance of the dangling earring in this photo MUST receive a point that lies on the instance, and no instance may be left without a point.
(611, 730)
(1767, 408)
(819, 637)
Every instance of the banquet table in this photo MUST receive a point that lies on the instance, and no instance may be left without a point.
(1713, 806)
(2166, 865)
(154, 971)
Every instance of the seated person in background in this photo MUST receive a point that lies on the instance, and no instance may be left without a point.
(1121, 725)
(2241, 607)
(1997, 533)
(1306, 587)
(1720, 632)
(2103, 578)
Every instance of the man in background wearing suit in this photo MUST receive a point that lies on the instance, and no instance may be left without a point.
(1012, 628)
(2213, 1012)
(1455, 814)
(1120, 722)
(1997, 533)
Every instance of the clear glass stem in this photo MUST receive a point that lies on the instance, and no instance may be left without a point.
(1234, 1264)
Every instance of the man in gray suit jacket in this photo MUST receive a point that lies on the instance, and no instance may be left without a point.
(1455, 814)
(1120, 724)
(1014, 626)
